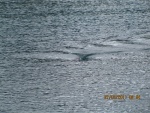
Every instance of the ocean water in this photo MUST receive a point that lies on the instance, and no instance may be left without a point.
(63, 56)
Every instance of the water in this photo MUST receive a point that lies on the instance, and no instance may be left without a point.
(65, 55)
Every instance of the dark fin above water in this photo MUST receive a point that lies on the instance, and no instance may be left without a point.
(84, 57)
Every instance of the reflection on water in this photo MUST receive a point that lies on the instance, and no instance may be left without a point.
(64, 55)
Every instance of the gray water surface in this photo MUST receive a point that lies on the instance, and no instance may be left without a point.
(63, 56)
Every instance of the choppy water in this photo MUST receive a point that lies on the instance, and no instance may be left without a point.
(65, 55)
